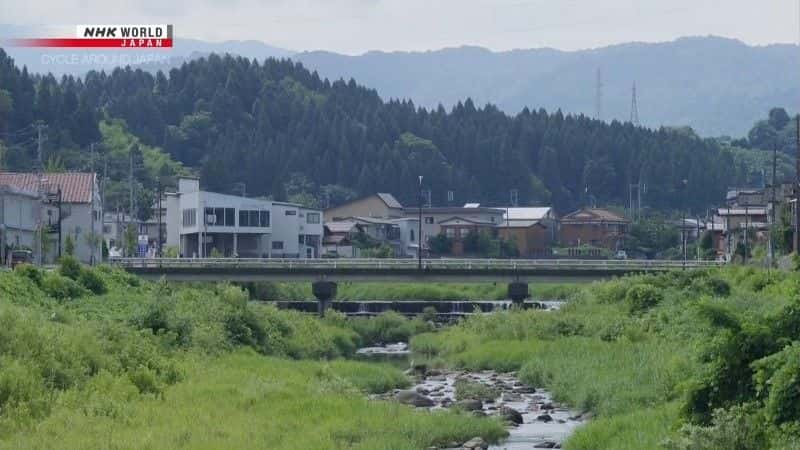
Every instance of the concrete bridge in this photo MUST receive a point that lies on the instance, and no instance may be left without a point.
(325, 273)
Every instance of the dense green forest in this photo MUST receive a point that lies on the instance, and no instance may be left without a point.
(284, 132)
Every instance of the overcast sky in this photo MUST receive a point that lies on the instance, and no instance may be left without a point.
(356, 26)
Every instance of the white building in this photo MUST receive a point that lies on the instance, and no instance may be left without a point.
(20, 213)
(409, 229)
(80, 209)
(202, 224)
(296, 231)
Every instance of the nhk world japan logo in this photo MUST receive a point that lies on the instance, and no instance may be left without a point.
(106, 36)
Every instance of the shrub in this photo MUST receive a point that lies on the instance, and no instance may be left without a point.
(641, 297)
(61, 287)
(778, 377)
(30, 271)
(244, 328)
(69, 246)
(740, 427)
(92, 281)
(711, 285)
(69, 267)
(388, 327)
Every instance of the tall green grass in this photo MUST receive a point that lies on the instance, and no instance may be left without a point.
(633, 350)
(99, 359)
(247, 401)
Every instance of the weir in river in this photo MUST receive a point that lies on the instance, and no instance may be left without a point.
(443, 309)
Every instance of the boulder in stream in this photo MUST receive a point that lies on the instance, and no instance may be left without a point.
(413, 398)
(469, 405)
(476, 444)
(511, 415)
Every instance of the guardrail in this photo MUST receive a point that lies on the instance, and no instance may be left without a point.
(406, 264)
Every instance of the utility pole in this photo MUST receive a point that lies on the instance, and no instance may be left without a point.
(773, 204)
(746, 229)
(796, 245)
(92, 234)
(159, 193)
(40, 140)
(130, 194)
(419, 250)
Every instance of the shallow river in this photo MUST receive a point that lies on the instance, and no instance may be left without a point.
(545, 424)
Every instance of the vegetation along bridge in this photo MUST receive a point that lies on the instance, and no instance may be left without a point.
(325, 273)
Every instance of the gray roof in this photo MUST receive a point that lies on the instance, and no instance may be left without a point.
(519, 224)
(455, 210)
(389, 199)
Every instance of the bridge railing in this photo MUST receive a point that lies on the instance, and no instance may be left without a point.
(406, 264)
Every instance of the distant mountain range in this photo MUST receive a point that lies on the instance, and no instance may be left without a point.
(717, 86)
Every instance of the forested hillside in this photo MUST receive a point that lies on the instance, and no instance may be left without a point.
(286, 132)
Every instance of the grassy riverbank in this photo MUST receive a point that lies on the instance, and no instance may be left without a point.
(694, 360)
(95, 358)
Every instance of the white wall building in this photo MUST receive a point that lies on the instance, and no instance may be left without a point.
(409, 229)
(20, 212)
(296, 231)
(81, 210)
(201, 223)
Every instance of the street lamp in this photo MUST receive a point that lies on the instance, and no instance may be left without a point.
(419, 248)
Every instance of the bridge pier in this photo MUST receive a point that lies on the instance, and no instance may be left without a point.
(324, 291)
(518, 292)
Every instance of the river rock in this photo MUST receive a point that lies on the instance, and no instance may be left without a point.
(469, 405)
(544, 418)
(413, 398)
(545, 444)
(511, 397)
(511, 415)
(476, 443)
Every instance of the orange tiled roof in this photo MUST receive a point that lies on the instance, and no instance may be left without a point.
(76, 187)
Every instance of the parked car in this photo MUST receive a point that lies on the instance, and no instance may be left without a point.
(621, 254)
(17, 257)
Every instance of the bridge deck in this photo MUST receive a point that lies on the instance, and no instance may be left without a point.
(433, 270)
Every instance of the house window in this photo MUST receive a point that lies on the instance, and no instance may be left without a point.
(264, 218)
(277, 245)
(230, 217)
(463, 232)
(429, 220)
(312, 218)
(106, 229)
(291, 212)
(411, 236)
(189, 217)
(451, 233)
